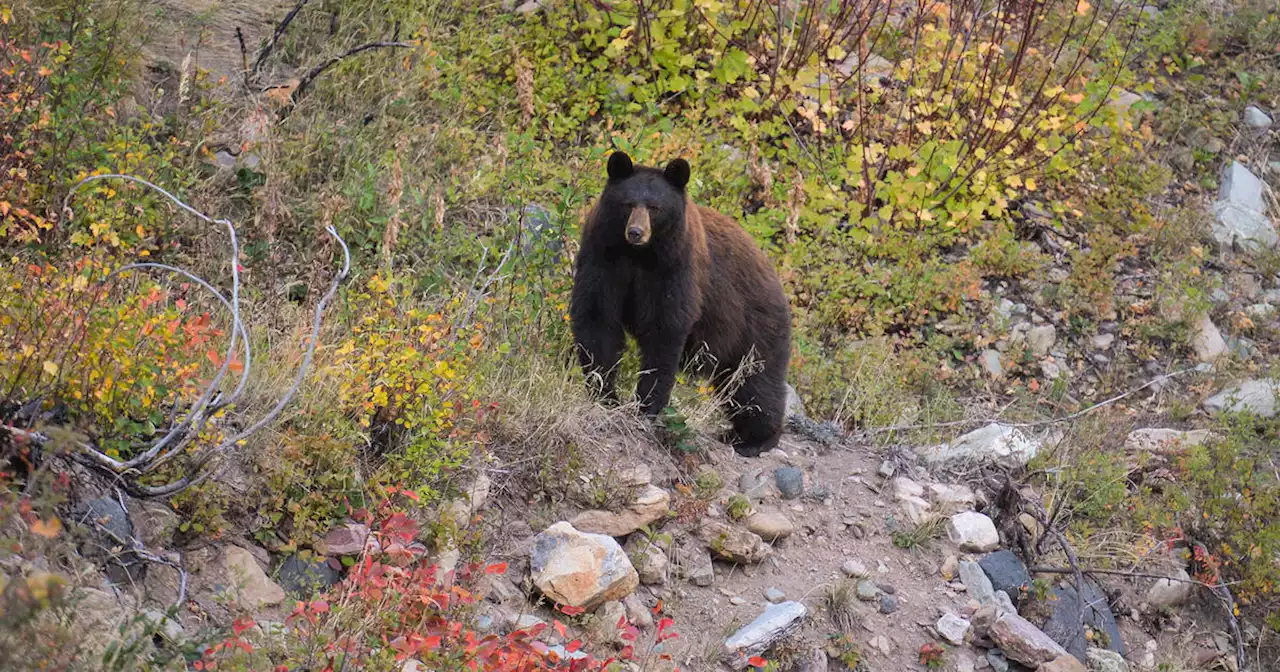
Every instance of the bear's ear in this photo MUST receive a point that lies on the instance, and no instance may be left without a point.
(677, 173)
(620, 167)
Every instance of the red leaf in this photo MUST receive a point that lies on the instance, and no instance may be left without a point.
(432, 642)
(559, 627)
(571, 611)
(496, 568)
(241, 625)
(320, 606)
(757, 661)
(572, 647)
(627, 653)
(622, 622)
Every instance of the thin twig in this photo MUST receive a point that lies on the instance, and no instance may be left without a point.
(319, 69)
(275, 38)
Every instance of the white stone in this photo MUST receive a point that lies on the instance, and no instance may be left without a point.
(1207, 340)
(976, 582)
(251, 586)
(795, 406)
(973, 532)
(995, 443)
(952, 499)
(1253, 396)
(953, 628)
(1170, 593)
(1155, 439)
(1241, 212)
(990, 361)
(1102, 341)
(777, 621)
(1041, 339)
(1256, 118)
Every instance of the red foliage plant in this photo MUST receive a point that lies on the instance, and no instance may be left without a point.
(393, 603)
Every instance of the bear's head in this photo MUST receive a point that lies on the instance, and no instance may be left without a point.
(644, 204)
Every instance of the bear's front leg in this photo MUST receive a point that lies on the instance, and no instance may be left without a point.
(660, 358)
(595, 316)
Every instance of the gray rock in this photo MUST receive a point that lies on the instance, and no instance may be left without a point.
(754, 484)
(538, 232)
(854, 569)
(1023, 642)
(1207, 340)
(993, 444)
(1063, 624)
(1260, 312)
(976, 582)
(732, 543)
(889, 604)
(1168, 593)
(1252, 396)
(1102, 341)
(990, 362)
(154, 524)
(649, 560)
(973, 532)
(224, 159)
(774, 595)
(795, 406)
(790, 482)
(1241, 212)
(637, 613)
(1155, 439)
(108, 538)
(997, 660)
(604, 627)
(770, 525)
(307, 576)
(813, 661)
(696, 566)
(1004, 603)
(867, 590)
(952, 499)
(1254, 117)
(531, 7)
(159, 623)
(580, 569)
(1103, 660)
(953, 628)
(1041, 339)
(346, 539)
(777, 622)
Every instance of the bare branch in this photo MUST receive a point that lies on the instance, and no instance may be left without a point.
(275, 38)
(305, 82)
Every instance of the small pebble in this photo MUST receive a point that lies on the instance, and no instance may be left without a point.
(775, 595)
(854, 569)
(886, 588)
(888, 604)
(867, 591)
(737, 601)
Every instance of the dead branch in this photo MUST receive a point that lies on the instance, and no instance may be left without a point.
(275, 38)
(211, 400)
(305, 82)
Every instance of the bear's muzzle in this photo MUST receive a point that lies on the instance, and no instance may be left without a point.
(638, 227)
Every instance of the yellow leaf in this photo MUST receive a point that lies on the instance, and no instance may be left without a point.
(50, 368)
(1082, 7)
(1013, 181)
(47, 529)
(1030, 184)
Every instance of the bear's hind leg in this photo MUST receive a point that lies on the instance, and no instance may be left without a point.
(757, 414)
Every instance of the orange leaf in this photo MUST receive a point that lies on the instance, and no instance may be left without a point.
(757, 661)
(47, 529)
(496, 568)
(1082, 7)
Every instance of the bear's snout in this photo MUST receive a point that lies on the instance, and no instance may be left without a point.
(638, 228)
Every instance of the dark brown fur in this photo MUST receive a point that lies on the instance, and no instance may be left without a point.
(699, 283)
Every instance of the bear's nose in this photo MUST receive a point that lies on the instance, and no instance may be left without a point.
(638, 227)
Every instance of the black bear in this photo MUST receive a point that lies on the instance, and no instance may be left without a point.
(681, 279)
